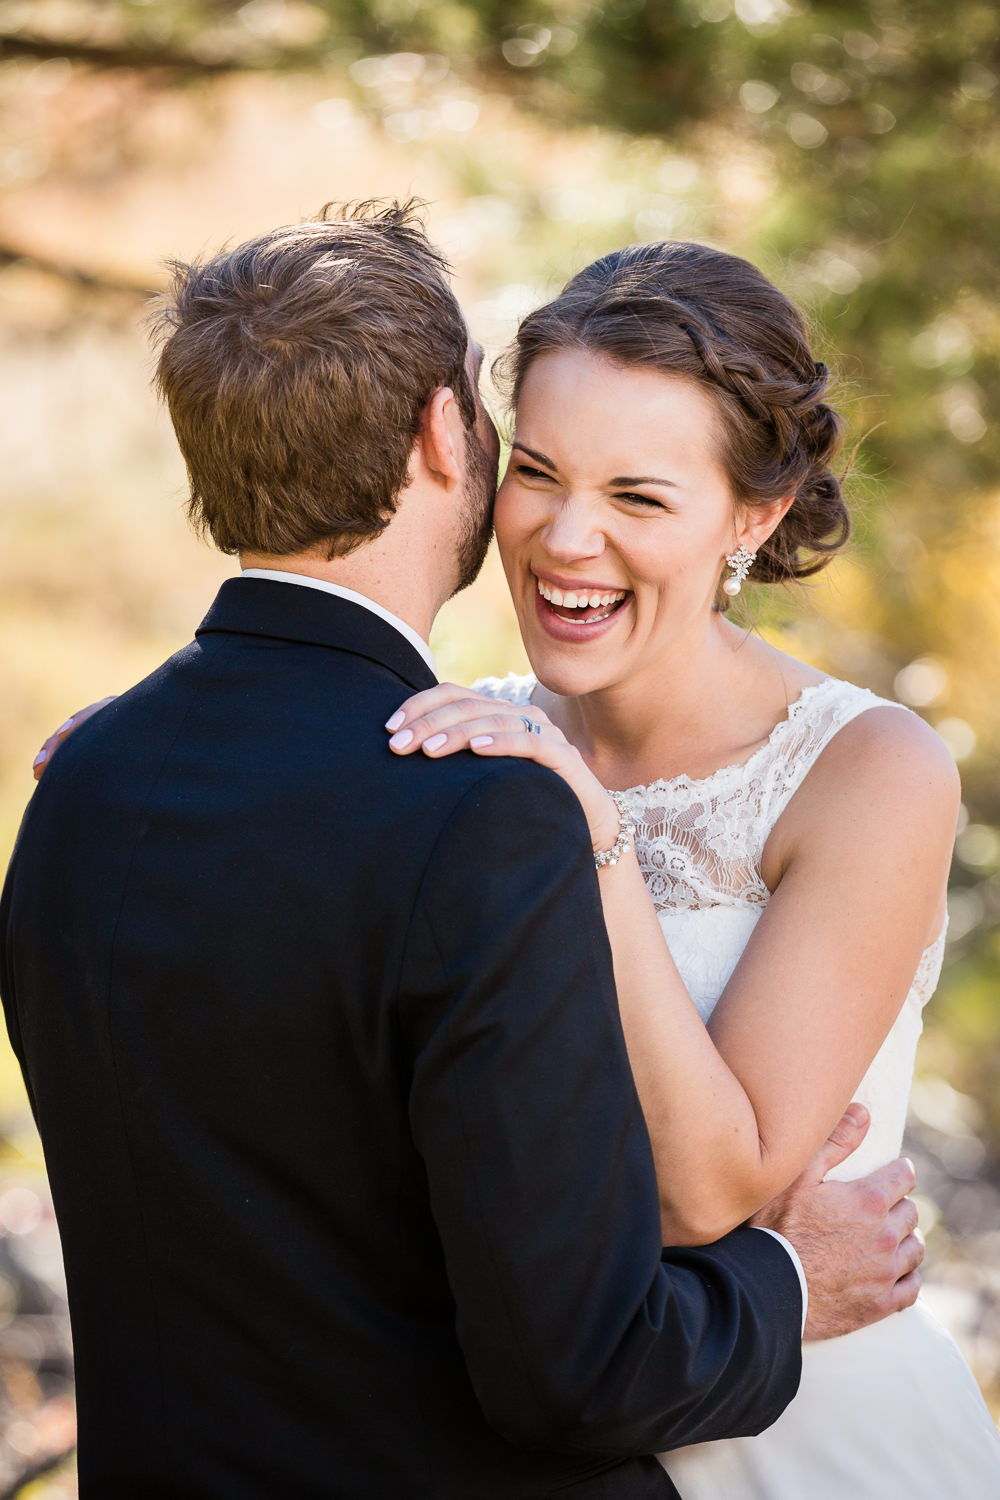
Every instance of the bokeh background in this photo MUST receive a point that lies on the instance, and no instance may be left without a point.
(850, 149)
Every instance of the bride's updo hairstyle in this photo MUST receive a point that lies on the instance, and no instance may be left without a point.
(713, 318)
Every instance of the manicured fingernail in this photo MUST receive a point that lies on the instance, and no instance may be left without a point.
(395, 721)
(63, 727)
(40, 758)
(480, 740)
(402, 739)
(435, 742)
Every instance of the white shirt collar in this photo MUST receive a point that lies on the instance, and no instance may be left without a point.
(416, 641)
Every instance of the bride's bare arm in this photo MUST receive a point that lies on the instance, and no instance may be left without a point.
(857, 862)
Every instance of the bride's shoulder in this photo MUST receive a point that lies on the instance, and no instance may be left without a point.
(882, 783)
(880, 752)
(516, 687)
(852, 724)
(895, 736)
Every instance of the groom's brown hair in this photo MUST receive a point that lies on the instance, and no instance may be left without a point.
(295, 368)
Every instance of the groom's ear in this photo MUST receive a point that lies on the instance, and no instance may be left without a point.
(440, 437)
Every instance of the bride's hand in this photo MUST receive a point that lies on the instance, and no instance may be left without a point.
(63, 733)
(447, 718)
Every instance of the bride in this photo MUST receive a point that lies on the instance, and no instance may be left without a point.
(773, 860)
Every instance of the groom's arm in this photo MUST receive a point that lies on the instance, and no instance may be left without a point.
(578, 1331)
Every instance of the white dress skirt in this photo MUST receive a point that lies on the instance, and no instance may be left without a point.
(893, 1411)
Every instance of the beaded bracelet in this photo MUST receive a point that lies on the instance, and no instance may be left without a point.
(626, 834)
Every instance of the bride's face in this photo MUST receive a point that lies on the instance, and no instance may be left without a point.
(614, 495)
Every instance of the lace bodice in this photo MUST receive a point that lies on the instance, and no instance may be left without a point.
(700, 844)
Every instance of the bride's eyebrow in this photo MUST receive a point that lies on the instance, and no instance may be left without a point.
(621, 482)
(624, 481)
(538, 457)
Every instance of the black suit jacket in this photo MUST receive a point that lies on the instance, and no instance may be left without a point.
(355, 1195)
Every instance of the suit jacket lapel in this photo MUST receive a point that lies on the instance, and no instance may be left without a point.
(291, 612)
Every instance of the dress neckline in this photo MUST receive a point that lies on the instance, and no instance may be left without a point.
(688, 783)
(777, 734)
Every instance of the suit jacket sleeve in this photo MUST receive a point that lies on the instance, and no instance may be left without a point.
(579, 1332)
(7, 993)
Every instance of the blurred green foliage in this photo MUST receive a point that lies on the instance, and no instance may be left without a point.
(878, 118)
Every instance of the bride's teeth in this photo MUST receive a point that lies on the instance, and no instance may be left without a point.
(569, 600)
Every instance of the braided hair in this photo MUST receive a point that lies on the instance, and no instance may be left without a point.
(688, 310)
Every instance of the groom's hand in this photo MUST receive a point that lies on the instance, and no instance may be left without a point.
(53, 742)
(857, 1240)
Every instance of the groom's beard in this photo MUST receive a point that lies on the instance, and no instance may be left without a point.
(477, 524)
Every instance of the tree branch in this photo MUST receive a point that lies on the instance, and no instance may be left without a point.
(141, 56)
(94, 281)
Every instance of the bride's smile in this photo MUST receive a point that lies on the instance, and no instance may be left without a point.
(570, 609)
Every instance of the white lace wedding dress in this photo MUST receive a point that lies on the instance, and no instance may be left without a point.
(893, 1410)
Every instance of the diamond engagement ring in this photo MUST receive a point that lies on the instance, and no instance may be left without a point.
(530, 724)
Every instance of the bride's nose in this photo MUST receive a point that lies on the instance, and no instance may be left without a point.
(572, 532)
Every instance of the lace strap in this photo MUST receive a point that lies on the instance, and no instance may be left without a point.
(513, 688)
(814, 719)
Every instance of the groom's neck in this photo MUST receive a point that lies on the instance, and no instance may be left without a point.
(377, 577)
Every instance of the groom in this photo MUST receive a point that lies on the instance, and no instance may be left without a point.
(355, 1195)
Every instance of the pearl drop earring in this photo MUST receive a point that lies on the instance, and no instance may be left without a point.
(741, 562)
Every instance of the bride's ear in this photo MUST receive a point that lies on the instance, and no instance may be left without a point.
(758, 522)
(440, 437)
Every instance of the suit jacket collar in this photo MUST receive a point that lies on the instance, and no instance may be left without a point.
(288, 612)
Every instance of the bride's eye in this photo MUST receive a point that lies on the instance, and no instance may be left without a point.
(646, 500)
(527, 472)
